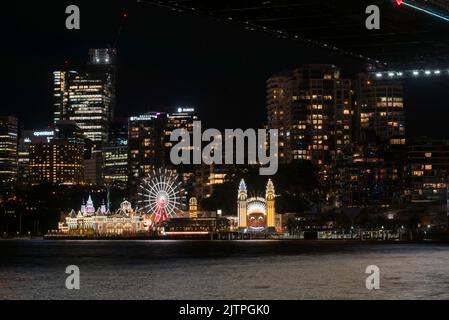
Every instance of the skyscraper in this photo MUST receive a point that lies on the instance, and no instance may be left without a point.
(102, 63)
(66, 129)
(375, 171)
(181, 117)
(87, 96)
(312, 108)
(85, 99)
(8, 154)
(279, 111)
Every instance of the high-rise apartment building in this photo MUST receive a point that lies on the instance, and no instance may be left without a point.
(373, 174)
(427, 179)
(279, 111)
(8, 153)
(146, 150)
(381, 108)
(312, 107)
(428, 169)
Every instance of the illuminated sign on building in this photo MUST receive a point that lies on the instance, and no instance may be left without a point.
(144, 117)
(186, 110)
(43, 133)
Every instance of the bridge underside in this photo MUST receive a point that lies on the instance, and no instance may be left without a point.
(407, 38)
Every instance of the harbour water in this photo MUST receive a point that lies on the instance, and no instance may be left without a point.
(35, 269)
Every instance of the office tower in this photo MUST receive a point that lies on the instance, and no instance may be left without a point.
(23, 165)
(66, 129)
(56, 156)
(180, 118)
(102, 62)
(118, 132)
(145, 145)
(381, 108)
(27, 137)
(84, 98)
(23, 153)
(8, 154)
(115, 155)
(87, 96)
(312, 107)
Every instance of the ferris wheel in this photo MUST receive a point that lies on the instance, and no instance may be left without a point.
(161, 195)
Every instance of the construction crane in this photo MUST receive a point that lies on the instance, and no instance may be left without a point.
(119, 29)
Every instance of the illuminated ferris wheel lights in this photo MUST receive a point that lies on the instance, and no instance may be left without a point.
(162, 195)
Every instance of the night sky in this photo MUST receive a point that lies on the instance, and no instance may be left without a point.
(166, 58)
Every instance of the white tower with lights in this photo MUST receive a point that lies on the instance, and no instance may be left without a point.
(242, 203)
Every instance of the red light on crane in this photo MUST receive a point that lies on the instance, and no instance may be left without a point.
(399, 2)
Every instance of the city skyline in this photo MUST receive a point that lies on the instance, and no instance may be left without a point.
(165, 75)
(224, 150)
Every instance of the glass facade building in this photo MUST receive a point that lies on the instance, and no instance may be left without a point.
(115, 155)
(85, 99)
(87, 96)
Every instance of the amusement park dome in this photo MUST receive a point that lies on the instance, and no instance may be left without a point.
(125, 206)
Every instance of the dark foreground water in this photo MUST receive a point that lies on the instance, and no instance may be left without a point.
(222, 270)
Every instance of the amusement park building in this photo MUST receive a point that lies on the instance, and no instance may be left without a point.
(88, 221)
(256, 214)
